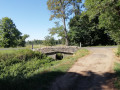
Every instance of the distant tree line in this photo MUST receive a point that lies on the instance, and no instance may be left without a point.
(49, 41)
(10, 36)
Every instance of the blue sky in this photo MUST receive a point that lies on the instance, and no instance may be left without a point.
(30, 16)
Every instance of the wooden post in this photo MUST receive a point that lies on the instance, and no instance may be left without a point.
(32, 45)
(80, 44)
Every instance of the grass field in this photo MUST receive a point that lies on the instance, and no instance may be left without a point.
(26, 47)
(28, 70)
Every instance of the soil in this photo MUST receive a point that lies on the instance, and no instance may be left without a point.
(92, 72)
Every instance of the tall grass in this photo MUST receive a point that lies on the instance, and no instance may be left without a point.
(117, 72)
(28, 70)
(117, 68)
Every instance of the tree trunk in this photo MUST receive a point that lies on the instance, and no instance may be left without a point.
(65, 31)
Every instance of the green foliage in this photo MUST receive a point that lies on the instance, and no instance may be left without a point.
(76, 4)
(39, 43)
(109, 14)
(118, 51)
(33, 73)
(62, 9)
(58, 8)
(49, 41)
(59, 30)
(10, 36)
(34, 42)
(21, 55)
(21, 41)
(8, 32)
(87, 32)
(59, 56)
(117, 71)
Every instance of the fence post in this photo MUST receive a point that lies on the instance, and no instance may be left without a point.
(80, 44)
(32, 45)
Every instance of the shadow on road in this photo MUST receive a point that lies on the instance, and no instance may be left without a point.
(88, 81)
(69, 81)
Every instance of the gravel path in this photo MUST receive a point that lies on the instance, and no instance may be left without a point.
(92, 72)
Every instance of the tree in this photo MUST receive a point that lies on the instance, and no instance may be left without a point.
(59, 8)
(63, 9)
(9, 34)
(76, 6)
(59, 30)
(86, 31)
(109, 15)
(49, 41)
(21, 41)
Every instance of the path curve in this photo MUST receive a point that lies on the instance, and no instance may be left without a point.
(92, 72)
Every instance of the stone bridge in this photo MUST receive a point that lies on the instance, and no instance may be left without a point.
(52, 51)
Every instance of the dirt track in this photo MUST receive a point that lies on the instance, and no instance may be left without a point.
(92, 72)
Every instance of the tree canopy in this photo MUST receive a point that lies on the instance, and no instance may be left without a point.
(9, 34)
(87, 32)
(49, 41)
(109, 15)
(62, 9)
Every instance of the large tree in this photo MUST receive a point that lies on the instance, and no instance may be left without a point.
(59, 8)
(58, 30)
(9, 34)
(63, 9)
(109, 15)
(87, 32)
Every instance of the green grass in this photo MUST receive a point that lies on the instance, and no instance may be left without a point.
(28, 70)
(117, 68)
(34, 46)
(117, 72)
(28, 47)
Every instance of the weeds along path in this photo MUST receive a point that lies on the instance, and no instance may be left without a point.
(92, 72)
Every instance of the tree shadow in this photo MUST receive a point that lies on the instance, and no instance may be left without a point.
(85, 81)
(39, 81)
(57, 80)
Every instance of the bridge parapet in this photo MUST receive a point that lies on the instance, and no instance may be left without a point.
(60, 49)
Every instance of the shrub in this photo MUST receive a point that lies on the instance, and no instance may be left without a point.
(22, 54)
(117, 72)
(118, 51)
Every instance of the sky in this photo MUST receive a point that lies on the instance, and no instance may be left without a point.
(30, 16)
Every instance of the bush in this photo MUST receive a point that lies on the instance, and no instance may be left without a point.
(118, 51)
(117, 72)
(22, 54)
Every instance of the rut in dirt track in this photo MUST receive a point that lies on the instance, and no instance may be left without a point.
(92, 72)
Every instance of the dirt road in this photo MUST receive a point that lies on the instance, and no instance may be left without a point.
(92, 72)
